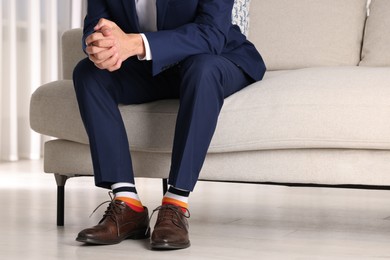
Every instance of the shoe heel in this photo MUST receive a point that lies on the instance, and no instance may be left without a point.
(140, 234)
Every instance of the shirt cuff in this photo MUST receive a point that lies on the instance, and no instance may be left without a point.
(148, 52)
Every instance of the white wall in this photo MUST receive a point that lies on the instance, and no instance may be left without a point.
(30, 31)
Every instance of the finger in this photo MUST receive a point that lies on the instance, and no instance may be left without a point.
(110, 61)
(99, 60)
(98, 66)
(93, 59)
(92, 50)
(117, 66)
(104, 55)
(103, 22)
(104, 43)
(93, 37)
(106, 31)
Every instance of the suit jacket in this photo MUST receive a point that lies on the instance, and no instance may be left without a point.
(185, 28)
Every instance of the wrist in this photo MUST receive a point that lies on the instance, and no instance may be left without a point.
(134, 45)
(141, 52)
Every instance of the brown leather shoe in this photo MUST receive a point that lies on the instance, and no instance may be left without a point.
(171, 229)
(118, 223)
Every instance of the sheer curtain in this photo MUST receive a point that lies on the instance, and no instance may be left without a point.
(29, 57)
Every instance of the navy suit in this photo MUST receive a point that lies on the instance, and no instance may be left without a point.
(199, 57)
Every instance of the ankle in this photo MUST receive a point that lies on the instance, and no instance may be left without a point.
(127, 193)
(177, 198)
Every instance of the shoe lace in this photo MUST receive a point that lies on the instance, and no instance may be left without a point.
(177, 210)
(112, 210)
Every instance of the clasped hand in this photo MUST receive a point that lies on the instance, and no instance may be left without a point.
(109, 46)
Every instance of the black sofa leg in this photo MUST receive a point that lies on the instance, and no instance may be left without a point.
(60, 180)
(165, 185)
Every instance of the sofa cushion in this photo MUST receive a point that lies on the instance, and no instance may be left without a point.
(332, 107)
(292, 34)
(376, 45)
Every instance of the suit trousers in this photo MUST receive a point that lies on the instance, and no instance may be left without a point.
(200, 82)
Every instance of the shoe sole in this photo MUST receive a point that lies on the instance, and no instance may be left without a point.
(169, 246)
(136, 235)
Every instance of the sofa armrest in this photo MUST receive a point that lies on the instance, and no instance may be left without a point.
(72, 51)
(51, 106)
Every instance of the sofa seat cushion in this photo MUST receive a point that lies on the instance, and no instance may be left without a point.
(328, 107)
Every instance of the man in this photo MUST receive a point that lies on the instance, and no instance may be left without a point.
(145, 50)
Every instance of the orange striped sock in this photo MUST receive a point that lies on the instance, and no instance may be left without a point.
(176, 197)
(127, 193)
(134, 204)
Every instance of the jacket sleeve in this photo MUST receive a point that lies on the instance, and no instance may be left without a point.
(96, 9)
(206, 34)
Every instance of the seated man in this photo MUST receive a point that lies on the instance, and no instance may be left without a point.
(145, 50)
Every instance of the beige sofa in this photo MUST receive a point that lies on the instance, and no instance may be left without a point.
(320, 116)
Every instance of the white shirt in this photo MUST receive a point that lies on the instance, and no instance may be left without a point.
(147, 15)
(147, 19)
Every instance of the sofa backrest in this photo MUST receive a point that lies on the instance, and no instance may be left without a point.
(376, 44)
(293, 34)
(72, 52)
(71, 40)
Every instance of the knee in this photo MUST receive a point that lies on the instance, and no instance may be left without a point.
(202, 64)
(87, 77)
(82, 70)
(203, 71)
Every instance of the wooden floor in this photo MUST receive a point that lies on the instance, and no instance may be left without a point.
(228, 221)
